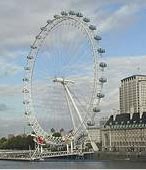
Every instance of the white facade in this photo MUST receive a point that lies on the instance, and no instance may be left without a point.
(126, 139)
(133, 94)
(142, 95)
(95, 134)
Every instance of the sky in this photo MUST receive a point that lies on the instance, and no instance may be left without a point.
(120, 23)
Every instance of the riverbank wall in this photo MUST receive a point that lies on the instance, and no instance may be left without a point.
(103, 155)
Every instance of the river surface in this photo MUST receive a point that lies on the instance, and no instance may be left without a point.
(71, 164)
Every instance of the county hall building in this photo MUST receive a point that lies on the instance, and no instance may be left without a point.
(127, 131)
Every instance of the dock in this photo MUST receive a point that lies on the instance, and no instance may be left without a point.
(30, 155)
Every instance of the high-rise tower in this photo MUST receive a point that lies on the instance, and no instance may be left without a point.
(133, 94)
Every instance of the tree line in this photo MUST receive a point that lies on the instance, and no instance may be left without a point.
(19, 142)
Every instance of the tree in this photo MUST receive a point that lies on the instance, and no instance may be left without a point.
(61, 130)
(56, 134)
(20, 142)
(3, 142)
(3, 139)
(52, 130)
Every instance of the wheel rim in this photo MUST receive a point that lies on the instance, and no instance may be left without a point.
(32, 61)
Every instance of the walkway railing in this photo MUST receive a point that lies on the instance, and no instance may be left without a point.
(29, 155)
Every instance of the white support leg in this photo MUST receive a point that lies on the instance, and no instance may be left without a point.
(68, 102)
(73, 102)
(67, 146)
(69, 96)
(41, 149)
(35, 154)
(38, 148)
(71, 146)
(95, 148)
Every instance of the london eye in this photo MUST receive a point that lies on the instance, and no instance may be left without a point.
(64, 77)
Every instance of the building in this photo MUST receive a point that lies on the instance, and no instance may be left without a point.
(10, 136)
(133, 94)
(95, 131)
(127, 131)
(95, 134)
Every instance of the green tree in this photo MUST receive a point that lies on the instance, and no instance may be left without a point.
(20, 142)
(52, 130)
(56, 134)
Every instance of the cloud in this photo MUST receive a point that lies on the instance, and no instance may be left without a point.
(7, 90)
(122, 17)
(119, 68)
(21, 21)
(3, 107)
(8, 69)
(15, 127)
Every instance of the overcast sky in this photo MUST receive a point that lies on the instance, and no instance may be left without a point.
(121, 24)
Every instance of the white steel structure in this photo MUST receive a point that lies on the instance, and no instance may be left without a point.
(64, 68)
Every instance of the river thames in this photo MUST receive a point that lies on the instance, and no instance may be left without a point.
(58, 164)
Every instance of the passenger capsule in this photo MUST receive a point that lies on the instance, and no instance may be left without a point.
(101, 50)
(89, 123)
(86, 19)
(43, 28)
(30, 124)
(25, 91)
(33, 47)
(56, 16)
(29, 57)
(64, 13)
(49, 21)
(25, 79)
(38, 37)
(92, 27)
(27, 113)
(25, 102)
(97, 37)
(72, 13)
(100, 95)
(102, 64)
(95, 109)
(79, 14)
(103, 80)
(26, 68)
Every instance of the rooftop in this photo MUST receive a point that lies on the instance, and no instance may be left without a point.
(133, 76)
(124, 121)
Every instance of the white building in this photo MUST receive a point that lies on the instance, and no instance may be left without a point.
(127, 131)
(133, 94)
(95, 134)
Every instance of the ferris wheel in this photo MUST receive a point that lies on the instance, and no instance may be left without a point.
(64, 76)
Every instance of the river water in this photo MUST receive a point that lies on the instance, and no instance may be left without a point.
(71, 164)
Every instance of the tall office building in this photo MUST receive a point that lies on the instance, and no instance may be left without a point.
(133, 94)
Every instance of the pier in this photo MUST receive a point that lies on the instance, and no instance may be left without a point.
(30, 155)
